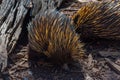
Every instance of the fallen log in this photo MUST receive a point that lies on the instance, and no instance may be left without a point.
(12, 15)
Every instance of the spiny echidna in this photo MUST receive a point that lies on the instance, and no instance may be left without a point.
(98, 20)
(50, 35)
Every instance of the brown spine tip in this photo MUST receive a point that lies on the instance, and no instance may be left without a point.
(98, 20)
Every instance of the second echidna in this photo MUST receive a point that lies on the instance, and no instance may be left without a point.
(50, 35)
(98, 20)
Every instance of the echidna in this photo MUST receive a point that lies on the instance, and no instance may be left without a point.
(51, 35)
(98, 20)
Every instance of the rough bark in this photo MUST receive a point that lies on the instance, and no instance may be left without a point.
(12, 14)
(39, 6)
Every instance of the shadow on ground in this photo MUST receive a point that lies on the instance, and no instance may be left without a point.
(43, 70)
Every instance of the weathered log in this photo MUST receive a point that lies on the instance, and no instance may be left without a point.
(12, 14)
(39, 6)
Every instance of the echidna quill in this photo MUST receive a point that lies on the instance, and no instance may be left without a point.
(52, 35)
(100, 20)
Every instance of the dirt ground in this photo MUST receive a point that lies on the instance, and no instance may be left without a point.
(102, 61)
